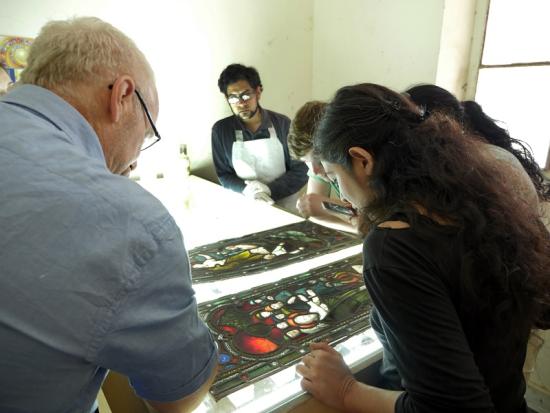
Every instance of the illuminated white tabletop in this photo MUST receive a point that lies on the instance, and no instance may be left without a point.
(207, 213)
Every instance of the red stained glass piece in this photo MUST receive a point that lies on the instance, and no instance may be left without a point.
(276, 334)
(248, 307)
(229, 329)
(290, 320)
(216, 315)
(347, 277)
(254, 345)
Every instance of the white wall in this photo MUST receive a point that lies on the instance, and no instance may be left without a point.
(188, 43)
(395, 43)
(303, 50)
(456, 46)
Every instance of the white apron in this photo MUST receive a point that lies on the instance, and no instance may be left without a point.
(261, 160)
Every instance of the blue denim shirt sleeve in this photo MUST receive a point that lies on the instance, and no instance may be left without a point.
(154, 335)
(93, 275)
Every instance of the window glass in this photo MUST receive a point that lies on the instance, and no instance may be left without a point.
(517, 32)
(519, 97)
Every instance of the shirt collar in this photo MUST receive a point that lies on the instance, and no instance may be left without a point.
(266, 119)
(49, 106)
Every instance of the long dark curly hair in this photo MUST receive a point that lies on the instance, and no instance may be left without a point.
(429, 164)
(471, 115)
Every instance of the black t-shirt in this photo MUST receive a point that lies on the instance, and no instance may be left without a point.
(446, 358)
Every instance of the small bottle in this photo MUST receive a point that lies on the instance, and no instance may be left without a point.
(185, 162)
(184, 166)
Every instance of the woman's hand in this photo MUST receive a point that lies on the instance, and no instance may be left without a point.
(325, 375)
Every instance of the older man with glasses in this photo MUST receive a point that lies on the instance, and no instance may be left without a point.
(249, 148)
(93, 271)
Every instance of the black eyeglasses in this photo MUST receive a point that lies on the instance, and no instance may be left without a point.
(149, 140)
(235, 98)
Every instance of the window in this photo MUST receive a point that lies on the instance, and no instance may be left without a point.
(514, 76)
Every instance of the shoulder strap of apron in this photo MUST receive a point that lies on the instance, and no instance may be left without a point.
(272, 133)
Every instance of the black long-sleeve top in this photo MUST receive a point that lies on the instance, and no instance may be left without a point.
(443, 359)
(223, 136)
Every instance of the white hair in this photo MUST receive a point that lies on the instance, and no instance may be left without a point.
(82, 50)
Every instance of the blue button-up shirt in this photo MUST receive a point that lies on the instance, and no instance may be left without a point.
(93, 271)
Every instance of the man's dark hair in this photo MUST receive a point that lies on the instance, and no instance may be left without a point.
(235, 72)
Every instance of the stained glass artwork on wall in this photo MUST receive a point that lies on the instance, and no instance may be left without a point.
(265, 329)
(265, 250)
(13, 54)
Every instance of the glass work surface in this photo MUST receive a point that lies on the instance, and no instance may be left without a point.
(282, 391)
(266, 329)
(265, 250)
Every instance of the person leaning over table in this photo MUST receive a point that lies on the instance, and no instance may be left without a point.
(249, 148)
(510, 155)
(319, 188)
(500, 144)
(458, 268)
(94, 273)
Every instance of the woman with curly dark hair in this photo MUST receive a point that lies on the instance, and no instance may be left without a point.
(458, 269)
(471, 115)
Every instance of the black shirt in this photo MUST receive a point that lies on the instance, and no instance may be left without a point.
(443, 359)
(223, 136)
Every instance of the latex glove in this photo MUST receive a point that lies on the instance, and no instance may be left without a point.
(262, 196)
(253, 187)
(325, 375)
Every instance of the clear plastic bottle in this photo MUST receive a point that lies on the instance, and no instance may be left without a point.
(184, 163)
(184, 170)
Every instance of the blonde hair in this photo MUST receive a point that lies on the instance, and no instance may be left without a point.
(81, 50)
(302, 128)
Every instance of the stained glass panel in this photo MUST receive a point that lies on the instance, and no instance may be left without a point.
(265, 329)
(265, 250)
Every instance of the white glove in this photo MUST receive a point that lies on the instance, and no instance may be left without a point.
(253, 187)
(262, 196)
